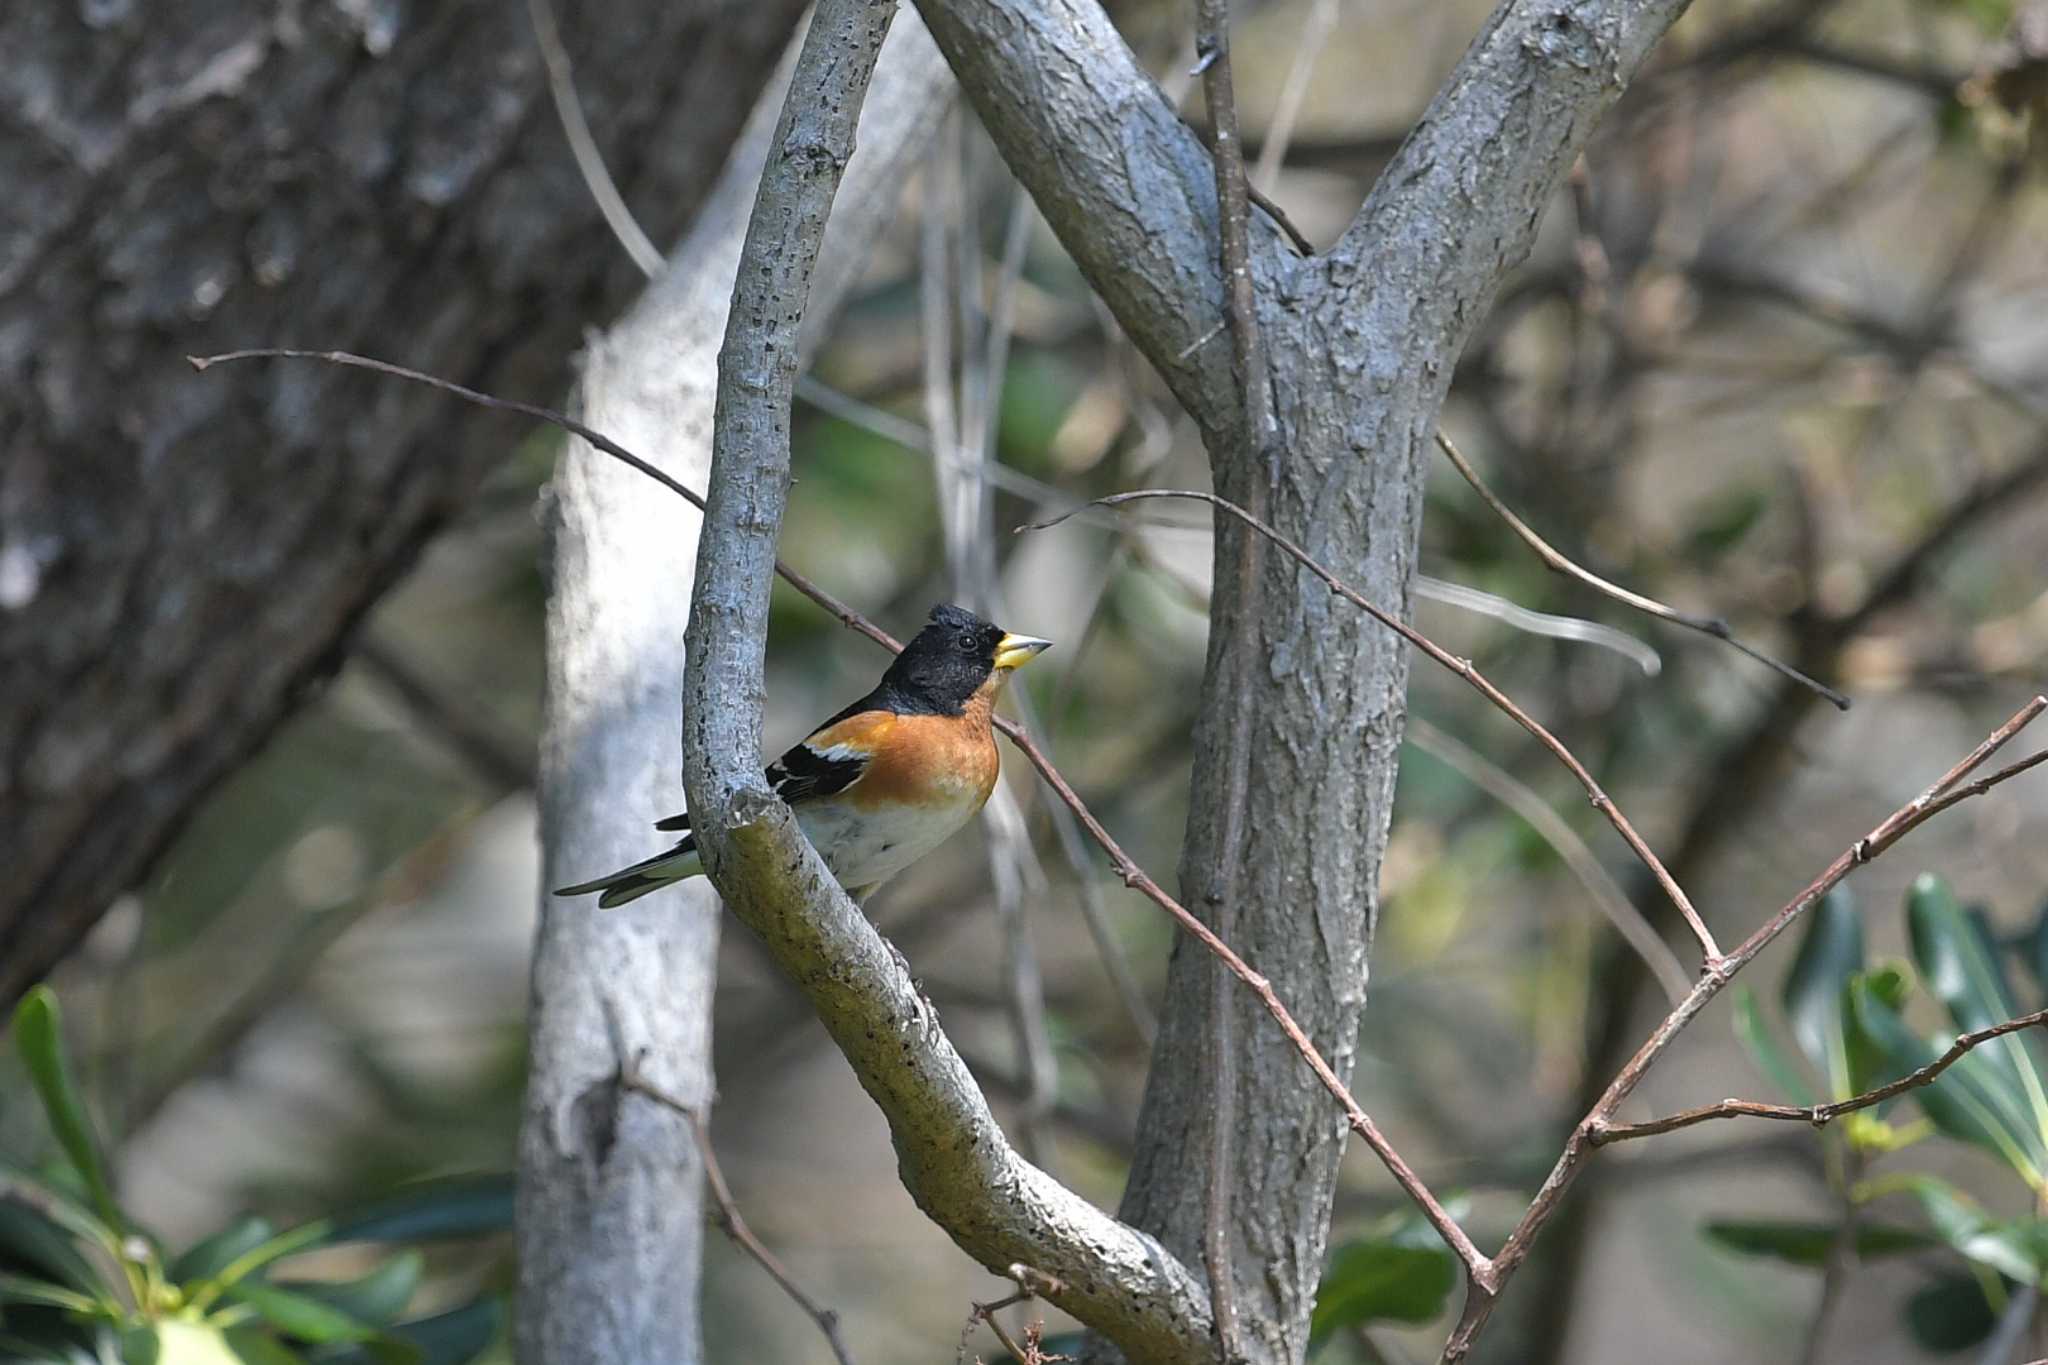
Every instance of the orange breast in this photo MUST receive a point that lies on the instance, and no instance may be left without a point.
(931, 760)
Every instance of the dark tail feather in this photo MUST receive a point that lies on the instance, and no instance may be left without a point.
(630, 883)
(630, 889)
(674, 822)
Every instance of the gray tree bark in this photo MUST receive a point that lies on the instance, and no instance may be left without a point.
(183, 557)
(1362, 342)
(610, 1182)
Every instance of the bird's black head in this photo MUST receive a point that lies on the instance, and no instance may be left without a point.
(951, 658)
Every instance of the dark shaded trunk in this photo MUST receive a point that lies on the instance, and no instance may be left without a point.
(181, 556)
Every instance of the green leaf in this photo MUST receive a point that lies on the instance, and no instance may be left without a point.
(2008, 1248)
(202, 1293)
(1870, 1065)
(299, 1315)
(1959, 1101)
(378, 1297)
(1808, 1244)
(1756, 1039)
(38, 1037)
(1382, 1280)
(433, 1210)
(190, 1343)
(26, 1289)
(1951, 1314)
(1959, 961)
(452, 1338)
(255, 1346)
(1829, 954)
(205, 1259)
(31, 1240)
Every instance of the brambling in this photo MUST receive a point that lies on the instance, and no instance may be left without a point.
(892, 776)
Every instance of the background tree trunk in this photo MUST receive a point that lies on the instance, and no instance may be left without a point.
(194, 179)
(611, 1216)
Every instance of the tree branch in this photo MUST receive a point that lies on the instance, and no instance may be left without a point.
(1124, 184)
(1460, 202)
(1464, 669)
(955, 1160)
(1945, 792)
(634, 1081)
(1559, 563)
(1819, 1115)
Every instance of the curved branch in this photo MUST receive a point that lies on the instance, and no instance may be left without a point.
(953, 1157)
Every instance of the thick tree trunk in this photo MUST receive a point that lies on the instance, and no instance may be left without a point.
(181, 556)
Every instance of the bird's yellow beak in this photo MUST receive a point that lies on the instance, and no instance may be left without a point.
(1014, 651)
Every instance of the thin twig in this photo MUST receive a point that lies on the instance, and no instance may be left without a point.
(582, 146)
(963, 450)
(1558, 563)
(1465, 670)
(1246, 448)
(1819, 1115)
(633, 1081)
(846, 615)
(1611, 900)
(1584, 1140)
(1121, 863)
(1315, 33)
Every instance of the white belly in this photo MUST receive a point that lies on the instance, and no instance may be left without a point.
(867, 848)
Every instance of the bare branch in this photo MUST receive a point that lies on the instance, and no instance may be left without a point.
(1464, 669)
(631, 1079)
(1612, 902)
(1819, 1115)
(1557, 562)
(582, 146)
(955, 1160)
(1583, 1140)
(1123, 183)
(1461, 200)
(866, 1003)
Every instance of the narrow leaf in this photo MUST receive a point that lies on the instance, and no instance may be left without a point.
(1830, 953)
(32, 1241)
(433, 1210)
(1756, 1039)
(1973, 1233)
(1958, 1101)
(378, 1297)
(1959, 960)
(205, 1259)
(26, 1289)
(1808, 1244)
(38, 1037)
(452, 1338)
(299, 1315)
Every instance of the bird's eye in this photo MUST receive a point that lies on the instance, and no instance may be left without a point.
(966, 645)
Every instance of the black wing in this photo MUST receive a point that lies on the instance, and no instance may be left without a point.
(803, 774)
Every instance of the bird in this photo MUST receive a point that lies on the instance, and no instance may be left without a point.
(889, 778)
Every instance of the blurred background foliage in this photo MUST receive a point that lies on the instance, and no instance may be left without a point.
(1780, 358)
